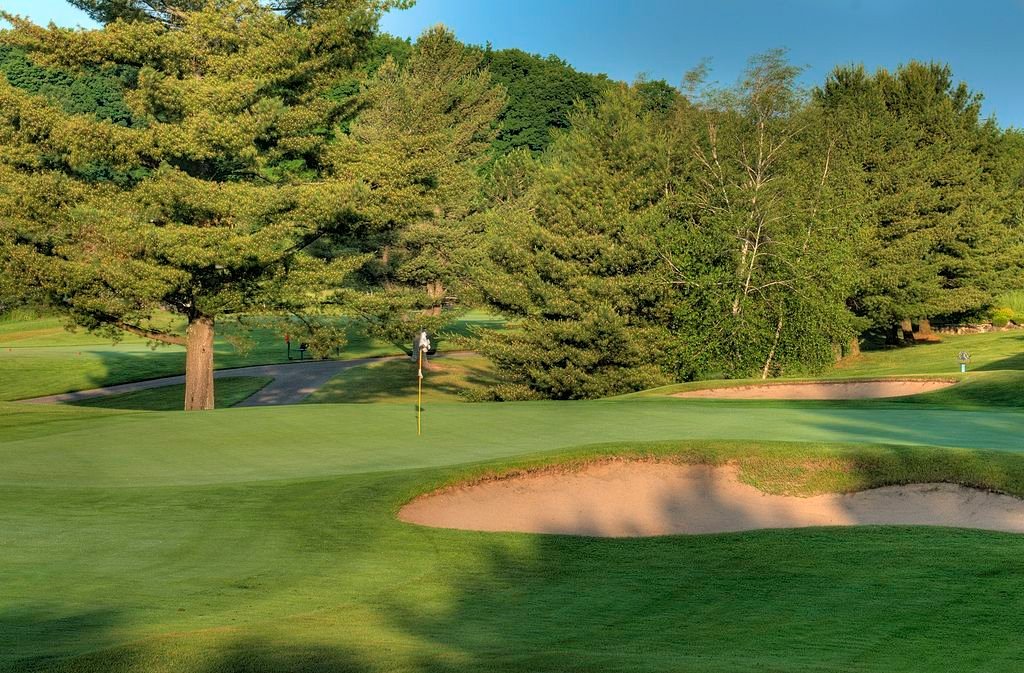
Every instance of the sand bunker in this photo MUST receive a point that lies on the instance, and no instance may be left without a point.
(631, 499)
(823, 390)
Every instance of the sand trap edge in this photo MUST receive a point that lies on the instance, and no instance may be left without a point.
(745, 507)
(852, 389)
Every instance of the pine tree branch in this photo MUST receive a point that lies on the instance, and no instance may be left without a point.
(155, 335)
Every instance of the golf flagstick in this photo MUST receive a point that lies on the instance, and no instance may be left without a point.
(422, 344)
(419, 395)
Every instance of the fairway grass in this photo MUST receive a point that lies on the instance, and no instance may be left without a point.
(318, 575)
(446, 379)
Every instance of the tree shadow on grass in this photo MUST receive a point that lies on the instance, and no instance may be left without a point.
(32, 637)
(1014, 362)
(450, 376)
(870, 599)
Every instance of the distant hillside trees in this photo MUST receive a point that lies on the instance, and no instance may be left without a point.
(541, 94)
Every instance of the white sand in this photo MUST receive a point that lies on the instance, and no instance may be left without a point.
(824, 390)
(629, 499)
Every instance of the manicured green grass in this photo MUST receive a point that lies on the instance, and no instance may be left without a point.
(310, 441)
(446, 379)
(316, 574)
(995, 373)
(995, 351)
(228, 392)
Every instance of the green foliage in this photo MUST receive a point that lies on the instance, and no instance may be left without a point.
(1002, 316)
(419, 143)
(245, 187)
(360, 16)
(97, 92)
(658, 95)
(654, 231)
(934, 232)
(1013, 300)
(569, 253)
(541, 95)
(762, 249)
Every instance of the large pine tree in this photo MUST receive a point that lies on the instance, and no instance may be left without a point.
(227, 196)
(572, 259)
(930, 212)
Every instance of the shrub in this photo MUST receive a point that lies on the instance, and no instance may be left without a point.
(1002, 316)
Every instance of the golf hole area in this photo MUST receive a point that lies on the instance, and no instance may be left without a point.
(644, 498)
(823, 390)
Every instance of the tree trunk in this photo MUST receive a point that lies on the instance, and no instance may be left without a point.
(199, 364)
(435, 290)
(771, 353)
(906, 331)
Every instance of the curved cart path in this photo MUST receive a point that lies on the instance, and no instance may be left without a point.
(293, 382)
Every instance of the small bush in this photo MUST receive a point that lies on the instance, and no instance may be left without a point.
(1001, 316)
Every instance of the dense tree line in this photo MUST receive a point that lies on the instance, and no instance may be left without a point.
(752, 231)
(239, 157)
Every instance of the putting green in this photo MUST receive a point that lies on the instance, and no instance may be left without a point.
(103, 448)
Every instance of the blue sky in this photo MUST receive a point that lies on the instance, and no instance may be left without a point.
(982, 41)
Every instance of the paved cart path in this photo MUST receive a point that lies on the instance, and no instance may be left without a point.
(293, 382)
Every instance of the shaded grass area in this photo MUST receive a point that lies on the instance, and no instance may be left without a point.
(446, 379)
(317, 575)
(39, 357)
(228, 392)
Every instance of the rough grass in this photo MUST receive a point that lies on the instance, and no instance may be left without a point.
(787, 468)
(1013, 300)
(227, 392)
